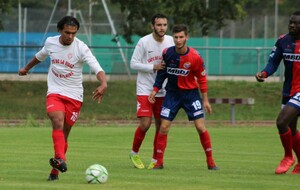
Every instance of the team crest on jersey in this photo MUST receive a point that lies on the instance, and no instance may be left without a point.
(187, 65)
(70, 55)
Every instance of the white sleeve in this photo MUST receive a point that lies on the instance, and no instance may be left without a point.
(139, 60)
(90, 59)
(42, 54)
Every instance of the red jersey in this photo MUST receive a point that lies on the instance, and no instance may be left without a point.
(183, 71)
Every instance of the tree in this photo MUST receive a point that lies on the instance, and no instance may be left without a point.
(4, 8)
(195, 13)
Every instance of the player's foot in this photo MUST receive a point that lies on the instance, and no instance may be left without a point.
(52, 177)
(296, 169)
(136, 160)
(284, 165)
(158, 166)
(151, 165)
(58, 164)
(211, 165)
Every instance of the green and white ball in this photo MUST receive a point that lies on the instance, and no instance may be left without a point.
(96, 173)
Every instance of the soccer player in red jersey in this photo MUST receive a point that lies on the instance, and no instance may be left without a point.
(287, 48)
(65, 91)
(186, 75)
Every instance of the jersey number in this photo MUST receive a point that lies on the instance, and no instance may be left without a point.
(197, 105)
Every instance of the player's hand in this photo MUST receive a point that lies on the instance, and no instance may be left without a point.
(99, 93)
(207, 107)
(160, 66)
(23, 72)
(151, 97)
(260, 77)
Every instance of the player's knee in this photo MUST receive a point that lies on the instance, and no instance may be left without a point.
(281, 124)
(164, 129)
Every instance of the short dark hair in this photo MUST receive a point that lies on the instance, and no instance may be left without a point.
(297, 13)
(156, 16)
(180, 28)
(67, 20)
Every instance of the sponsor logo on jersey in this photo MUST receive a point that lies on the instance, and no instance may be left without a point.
(62, 62)
(62, 75)
(291, 57)
(155, 58)
(177, 71)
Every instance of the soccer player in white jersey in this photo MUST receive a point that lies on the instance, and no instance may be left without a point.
(65, 91)
(147, 60)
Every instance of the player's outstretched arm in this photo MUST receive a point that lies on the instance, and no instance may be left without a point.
(23, 71)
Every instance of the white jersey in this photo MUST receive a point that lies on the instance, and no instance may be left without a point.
(66, 64)
(147, 53)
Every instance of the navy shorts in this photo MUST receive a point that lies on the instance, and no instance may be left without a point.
(189, 100)
(294, 101)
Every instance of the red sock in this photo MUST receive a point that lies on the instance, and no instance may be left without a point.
(59, 144)
(139, 136)
(161, 146)
(206, 144)
(296, 145)
(155, 146)
(287, 143)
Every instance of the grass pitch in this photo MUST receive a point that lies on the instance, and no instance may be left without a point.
(247, 157)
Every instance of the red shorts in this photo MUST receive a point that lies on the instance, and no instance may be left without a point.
(146, 109)
(71, 107)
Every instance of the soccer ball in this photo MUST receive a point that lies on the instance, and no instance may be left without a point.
(96, 173)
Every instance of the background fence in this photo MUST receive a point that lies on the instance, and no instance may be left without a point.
(219, 61)
(241, 48)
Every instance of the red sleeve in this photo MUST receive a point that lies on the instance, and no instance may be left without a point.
(155, 89)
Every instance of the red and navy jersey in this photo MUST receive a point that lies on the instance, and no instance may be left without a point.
(183, 71)
(287, 49)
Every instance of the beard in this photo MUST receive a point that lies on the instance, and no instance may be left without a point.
(158, 34)
(294, 32)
